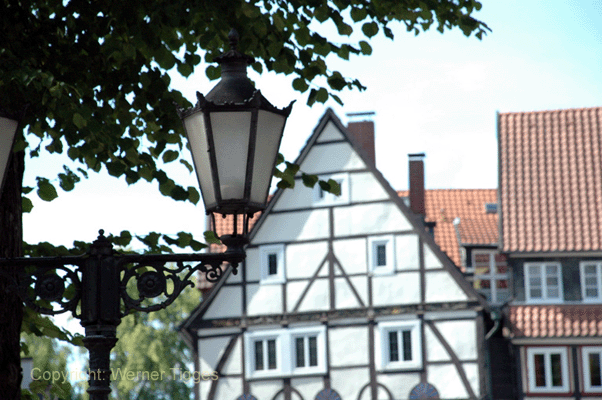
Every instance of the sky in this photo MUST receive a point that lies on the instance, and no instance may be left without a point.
(433, 93)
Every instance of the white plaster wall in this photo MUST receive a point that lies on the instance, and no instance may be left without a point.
(263, 389)
(360, 283)
(434, 349)
(317, 298)
(308, 387)
(441, 287)
(299, 197)
(369, 219)
(228, 388)
(234, 363)
(365, 187)
(330, 132)
(406, 252)
(399, 385)
(430, 260)
(464, 345)
(293, 293)
(348, 346)
(227, 303)
(329, 158)
(472, 374)
(253, 266)
(264, 299)
(351, 253)
(300, 225)
(401, 288)
(348, 382)
(210, 351)
(446, 380)
(236, 278)
(204, 388)
(344, 296)
(302, 260)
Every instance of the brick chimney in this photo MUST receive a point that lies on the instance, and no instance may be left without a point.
(417, 183)
(363, 133)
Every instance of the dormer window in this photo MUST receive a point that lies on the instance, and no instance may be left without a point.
(324, 198)
(272, 264)
(543, 282)
(591, 281)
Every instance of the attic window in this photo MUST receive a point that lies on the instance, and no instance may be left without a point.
(324, 198)
(490, 208)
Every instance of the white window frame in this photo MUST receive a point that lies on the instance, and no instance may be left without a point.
(547, 353)
(493, 276)
(373, 243)
(544, 287)
(414, 326)
(598, 265)
(264, 253)
(285, 351)
(585, 352)
(305, 332)
(326, 199)
(250, 339)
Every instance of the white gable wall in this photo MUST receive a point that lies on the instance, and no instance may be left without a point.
(313, 249)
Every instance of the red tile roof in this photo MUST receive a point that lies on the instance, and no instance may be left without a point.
(475, 226)
(556, 321)
(551, 180)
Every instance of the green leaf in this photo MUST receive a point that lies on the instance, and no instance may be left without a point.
(365, 47)
(358, 14)
(309, 180)
(211, 238)
(212, 72)
(79, 121)
(300, 85)
(26, 204)
(193, 195)
(370, 29)
(170, 155)
(187, 165)
(46, 190)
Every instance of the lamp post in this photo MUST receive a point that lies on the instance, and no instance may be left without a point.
(234, 135)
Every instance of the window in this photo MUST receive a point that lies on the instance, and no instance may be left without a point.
(282, 352)
(591, 281)
(400, 345)
(547, 369)
(490, 276)
(322, 197)
(592, 368)
(382, 255)
(272, 264)
(543, 282)
(307, 345)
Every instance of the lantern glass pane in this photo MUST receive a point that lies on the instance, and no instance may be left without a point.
(231, 141)
(197, 138)
(269, 133)
(8, 127)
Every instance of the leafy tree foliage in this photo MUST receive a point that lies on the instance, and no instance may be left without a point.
(50, 374)
(156, 356)
(94, 73)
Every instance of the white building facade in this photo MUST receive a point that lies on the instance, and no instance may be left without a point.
(342, 297)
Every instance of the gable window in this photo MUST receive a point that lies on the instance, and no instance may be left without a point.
(548, 369)
(272, 264)
(543, 282)
(591, 281)
(381, 254)
(400, 345)
(490, 277)
(282, 352)
(324, 198)
(592, 368)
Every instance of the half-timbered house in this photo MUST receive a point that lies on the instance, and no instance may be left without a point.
(340, 296)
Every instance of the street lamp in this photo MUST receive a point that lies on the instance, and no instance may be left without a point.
(234, 134)
(8, 129)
